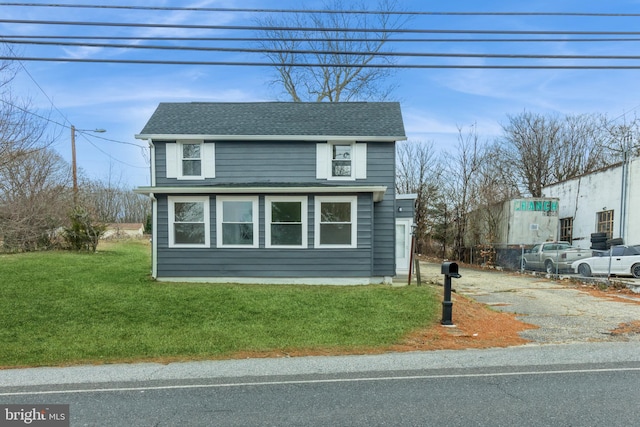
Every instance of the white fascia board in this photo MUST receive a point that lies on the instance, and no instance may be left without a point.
(377, 190)
(172, 137)
(411, 196)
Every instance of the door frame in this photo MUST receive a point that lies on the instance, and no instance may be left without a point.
(404, 267)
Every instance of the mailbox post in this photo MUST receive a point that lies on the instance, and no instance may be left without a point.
(449, 269)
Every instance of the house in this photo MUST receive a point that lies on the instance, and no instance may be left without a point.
(274, 192)
(604, 201)
(123, 231)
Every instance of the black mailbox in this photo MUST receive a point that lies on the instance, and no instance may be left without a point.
(450, 269)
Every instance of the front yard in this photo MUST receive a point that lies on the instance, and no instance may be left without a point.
(60, 308)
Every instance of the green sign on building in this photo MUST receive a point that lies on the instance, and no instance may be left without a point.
(536, 205)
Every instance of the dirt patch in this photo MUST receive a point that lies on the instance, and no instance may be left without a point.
(617, 292)
(476, 326)
(630, 328)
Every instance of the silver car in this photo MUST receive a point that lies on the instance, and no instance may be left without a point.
(622, 260)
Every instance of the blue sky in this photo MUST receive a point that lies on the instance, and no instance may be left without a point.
(435, 102)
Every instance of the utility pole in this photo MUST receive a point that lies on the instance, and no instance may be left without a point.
(74, 167)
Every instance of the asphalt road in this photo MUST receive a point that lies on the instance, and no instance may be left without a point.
(574, 384)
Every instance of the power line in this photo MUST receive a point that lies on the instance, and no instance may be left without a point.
(325, 52)
(292, 64)
(79, 131)
(316, 11)
(113, 158)
(322, 39)
(314, 29)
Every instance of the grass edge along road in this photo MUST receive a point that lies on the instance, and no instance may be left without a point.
(64, 308)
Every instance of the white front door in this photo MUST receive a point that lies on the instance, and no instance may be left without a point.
(403, 245)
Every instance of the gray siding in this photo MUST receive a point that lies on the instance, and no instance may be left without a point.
(407, 206)
(267, 262)
(262, 162)
(381, 171)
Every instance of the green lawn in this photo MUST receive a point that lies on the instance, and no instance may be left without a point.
(68, 308)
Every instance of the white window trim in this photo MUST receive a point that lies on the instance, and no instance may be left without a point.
(304, 212)
(256, 220)
(324, 160)
(354, 220)
(174, 159)
(207, 219)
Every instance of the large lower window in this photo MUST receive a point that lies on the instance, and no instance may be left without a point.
(188, 221)
(237, 221)
(335, 222)
(286, 221)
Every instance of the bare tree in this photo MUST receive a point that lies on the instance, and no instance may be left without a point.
(419, 171)
(540, 150)
(34, 200)
(463, 182)
(338, 54)
(114, 202)
(620, 139)
(21, 131)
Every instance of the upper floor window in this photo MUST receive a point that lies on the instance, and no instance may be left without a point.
(237, 221)
(188, 221)
(341, 160)
(286, 221)
(190, 159)
(605, 223)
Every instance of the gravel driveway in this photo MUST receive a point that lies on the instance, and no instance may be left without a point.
(563, 314)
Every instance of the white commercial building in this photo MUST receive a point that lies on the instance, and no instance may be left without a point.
(605, 201)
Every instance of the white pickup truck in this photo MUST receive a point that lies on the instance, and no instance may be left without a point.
(553, 257)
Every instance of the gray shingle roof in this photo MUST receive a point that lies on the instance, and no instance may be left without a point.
(374, 119)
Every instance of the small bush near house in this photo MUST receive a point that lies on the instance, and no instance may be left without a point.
(84, 232)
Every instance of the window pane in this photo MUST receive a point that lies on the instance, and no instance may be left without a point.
(189, 233)
(189, 211)
(342, 152)
(286, 212)
(340, 168)
(335, 234)
(237, 234)
(335, 212)
(191, 151)
(241, 211)
(286, 234)
(191, 168)
(401, 241)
